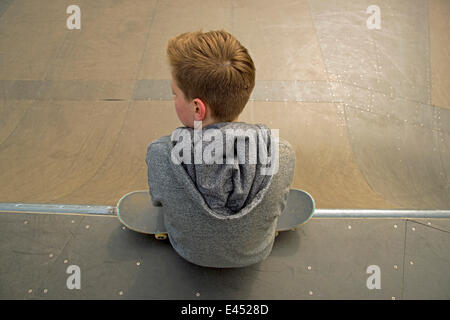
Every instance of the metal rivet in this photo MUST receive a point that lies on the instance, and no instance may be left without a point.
(120, 293)
(393, 298)
(349, 227)
(30, 290)
(51, 255)
(395, 267)
(87, 227)
(413, 229)
(45, 290)
(309, 268)
(65, 261)
(311, 293)
(138, 263)
(429, 223)
(395, 226)
(411, 262)
(198, 294)
(25, 222)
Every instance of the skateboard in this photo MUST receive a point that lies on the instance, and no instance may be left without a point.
(136, 212)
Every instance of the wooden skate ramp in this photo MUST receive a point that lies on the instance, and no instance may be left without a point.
(367, 111)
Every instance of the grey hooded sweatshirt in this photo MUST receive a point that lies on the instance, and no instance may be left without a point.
(222, 189)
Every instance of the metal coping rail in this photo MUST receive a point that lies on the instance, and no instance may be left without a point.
(318, 213)
(57, 208)
(381, 213)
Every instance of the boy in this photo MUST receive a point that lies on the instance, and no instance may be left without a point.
(222, 183)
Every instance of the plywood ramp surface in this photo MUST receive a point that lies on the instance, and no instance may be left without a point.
(366, 111)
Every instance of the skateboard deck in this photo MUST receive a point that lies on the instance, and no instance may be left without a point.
(136, 212)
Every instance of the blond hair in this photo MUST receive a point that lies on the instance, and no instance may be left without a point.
(214, 67)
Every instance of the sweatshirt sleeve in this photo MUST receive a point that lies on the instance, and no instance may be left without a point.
(285, 173)
(155, 154)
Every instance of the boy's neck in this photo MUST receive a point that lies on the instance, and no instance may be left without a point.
(207, 122)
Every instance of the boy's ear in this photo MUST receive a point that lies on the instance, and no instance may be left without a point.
(200, 109)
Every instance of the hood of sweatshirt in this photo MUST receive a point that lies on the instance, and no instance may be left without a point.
(228, 163)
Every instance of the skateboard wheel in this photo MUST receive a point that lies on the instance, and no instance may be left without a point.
(161, 236)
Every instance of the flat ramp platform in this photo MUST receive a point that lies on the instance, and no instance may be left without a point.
(324, 259)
